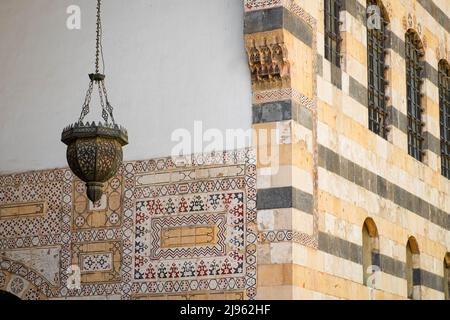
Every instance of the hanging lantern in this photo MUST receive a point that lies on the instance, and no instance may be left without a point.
(94, 151)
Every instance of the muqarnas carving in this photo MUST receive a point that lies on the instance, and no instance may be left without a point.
(268, 62)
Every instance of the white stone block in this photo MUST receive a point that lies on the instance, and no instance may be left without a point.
(265, 220)
(281, 252)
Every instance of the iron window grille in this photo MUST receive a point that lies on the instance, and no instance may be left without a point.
(444, 116)
(376, 46)
(332, 34)
(414, 70)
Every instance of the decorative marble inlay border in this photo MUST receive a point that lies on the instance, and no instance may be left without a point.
(283, 94)
(287, 236)
(193, 236)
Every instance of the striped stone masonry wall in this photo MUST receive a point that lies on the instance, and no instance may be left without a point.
(355, 174)
(287, 189)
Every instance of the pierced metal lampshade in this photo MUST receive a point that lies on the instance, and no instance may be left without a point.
(94, 153)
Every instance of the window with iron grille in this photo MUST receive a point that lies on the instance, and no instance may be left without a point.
(444, 116)
(413, 84)
(376, 43)
(332, 36)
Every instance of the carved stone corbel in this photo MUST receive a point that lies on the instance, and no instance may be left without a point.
(268, 63)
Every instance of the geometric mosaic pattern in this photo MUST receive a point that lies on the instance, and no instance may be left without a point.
(148, 244)
(165, 227)
(104, 213)
(210, 202)
(184, 237)
(96, 262)
(40, 236)
(100, 262)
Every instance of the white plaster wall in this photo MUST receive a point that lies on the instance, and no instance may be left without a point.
(168, 63)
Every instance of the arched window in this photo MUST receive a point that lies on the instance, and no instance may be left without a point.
(412, 269)
(332, 35)
(414, 81)
(444, 116)
(376, 45)
(447, 276)
(371, 257)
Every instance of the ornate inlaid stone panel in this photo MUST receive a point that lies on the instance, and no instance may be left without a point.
(99, 262)
(194, 224)
(164, 227)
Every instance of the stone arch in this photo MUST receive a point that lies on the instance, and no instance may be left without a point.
(23, 281)
(417, 41)
(383, 9)
(416, 98)
(370, 250)
(444, 65)
(412, 269)
(412, 242)
(378, 68)
(371, 227)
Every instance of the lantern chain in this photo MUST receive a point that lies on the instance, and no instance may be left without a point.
(98, 45)
(107, 109)
(87, 102)
(102, 103)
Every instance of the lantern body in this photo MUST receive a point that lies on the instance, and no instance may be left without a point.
(94, 154)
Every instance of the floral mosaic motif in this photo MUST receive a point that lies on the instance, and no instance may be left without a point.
(17, 285)
(186, 204)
